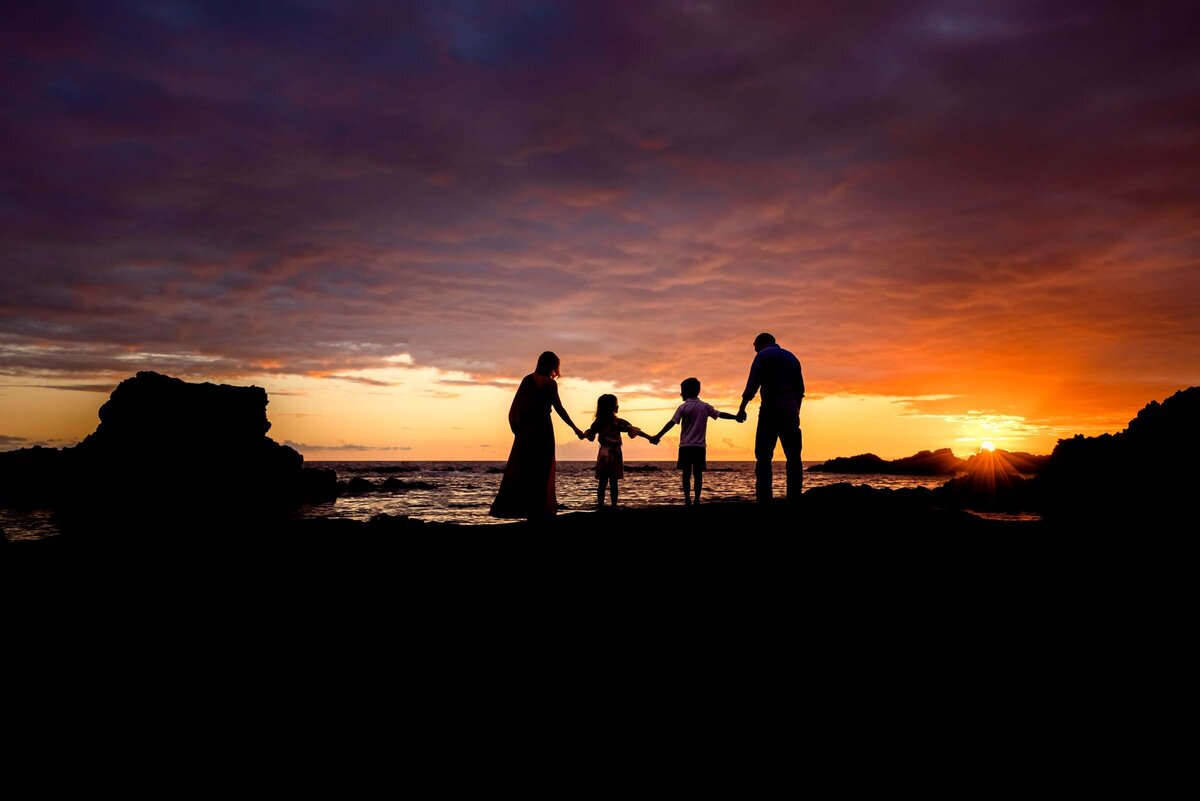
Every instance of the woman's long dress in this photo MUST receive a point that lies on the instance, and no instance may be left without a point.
(527, 489)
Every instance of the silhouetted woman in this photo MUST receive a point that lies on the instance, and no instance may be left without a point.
(527, 489)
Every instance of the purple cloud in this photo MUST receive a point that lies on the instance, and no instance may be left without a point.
(993, 201)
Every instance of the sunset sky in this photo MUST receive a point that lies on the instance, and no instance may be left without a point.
(969, 220)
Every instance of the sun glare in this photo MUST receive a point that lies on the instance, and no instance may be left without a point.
(987, 446)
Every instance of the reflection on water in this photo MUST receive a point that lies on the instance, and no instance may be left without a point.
(465, 489)
(27, 524)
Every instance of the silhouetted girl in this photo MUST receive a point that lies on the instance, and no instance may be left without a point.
(607, 427)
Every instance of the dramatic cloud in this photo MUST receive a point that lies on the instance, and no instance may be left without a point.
(995, 201)
(8, 442)
(104, 389)
(356, 379)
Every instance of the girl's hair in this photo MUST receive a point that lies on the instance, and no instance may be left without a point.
(606, 408)
(547, 365)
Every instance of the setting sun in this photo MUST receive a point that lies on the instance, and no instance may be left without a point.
(987, 446)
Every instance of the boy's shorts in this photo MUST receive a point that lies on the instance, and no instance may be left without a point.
(692, 456)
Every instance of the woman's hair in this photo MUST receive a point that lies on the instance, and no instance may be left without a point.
(606, 408)
(547, 365)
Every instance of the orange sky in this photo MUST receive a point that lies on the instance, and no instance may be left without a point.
(416, 413)
(969, 221)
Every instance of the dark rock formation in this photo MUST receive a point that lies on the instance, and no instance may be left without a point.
(357, 486)
(1019, 461)
(941, 462)
(861, 511)
(1148, 471)
(32, 476)
(362, 486)
(643, 468)
(164, 445)
(991, 482)
(317, 485)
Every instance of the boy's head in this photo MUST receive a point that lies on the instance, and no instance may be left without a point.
(690, 388)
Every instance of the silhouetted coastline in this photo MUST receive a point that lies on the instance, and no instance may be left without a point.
(941, 462)
(130, 483)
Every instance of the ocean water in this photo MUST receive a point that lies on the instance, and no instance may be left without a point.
(464, 491)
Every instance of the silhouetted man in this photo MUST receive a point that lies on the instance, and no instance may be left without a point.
(777, 372)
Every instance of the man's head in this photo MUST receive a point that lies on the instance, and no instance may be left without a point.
(762, 340)
(690, 388)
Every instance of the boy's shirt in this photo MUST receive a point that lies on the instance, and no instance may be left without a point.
(693, 413)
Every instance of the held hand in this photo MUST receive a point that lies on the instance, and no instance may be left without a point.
(579, 433)
(591, 437)
(741, 416)
(653, 440)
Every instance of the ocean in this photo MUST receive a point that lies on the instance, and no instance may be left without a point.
(462, 492)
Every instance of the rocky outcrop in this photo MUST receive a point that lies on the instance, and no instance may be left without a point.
(941, 462)
(356, 486)
(362, 486)
(1018, 461)
(165, 445)
(1148, 471)
(33, 476)
(990, 482)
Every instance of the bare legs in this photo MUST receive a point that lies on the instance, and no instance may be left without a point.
(612, 492)
(692, 476)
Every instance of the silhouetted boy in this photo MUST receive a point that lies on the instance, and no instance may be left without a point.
(694, 414)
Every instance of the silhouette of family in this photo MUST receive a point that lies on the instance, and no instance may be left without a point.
(527, 489)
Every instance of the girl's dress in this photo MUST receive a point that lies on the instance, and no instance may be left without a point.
(609, 463)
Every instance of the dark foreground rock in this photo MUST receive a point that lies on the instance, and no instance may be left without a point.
(1149, 470)
(845, 558)
(837, 510)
